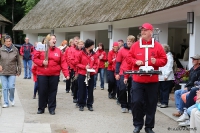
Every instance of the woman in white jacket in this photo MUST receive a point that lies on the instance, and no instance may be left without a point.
(166, 79)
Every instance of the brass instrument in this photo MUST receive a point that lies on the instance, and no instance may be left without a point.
(87, 78)
(87, 75)
(46, 51)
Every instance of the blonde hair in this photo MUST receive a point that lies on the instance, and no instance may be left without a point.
(70, 41)
(131, 37)
(81, 41)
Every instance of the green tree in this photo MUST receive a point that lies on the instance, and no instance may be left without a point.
(2, 2)
(29, 4)
(15, 10)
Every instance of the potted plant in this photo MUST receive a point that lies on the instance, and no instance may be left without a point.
(181, 76)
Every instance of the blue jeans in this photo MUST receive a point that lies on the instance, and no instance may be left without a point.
(189, 110)
(178, 101)
(35, 88)
(101, 71)
(8, 86)
(27, 68)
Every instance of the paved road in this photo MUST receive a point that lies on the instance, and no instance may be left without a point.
(106, 117)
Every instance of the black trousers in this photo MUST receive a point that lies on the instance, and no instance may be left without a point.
(75, 89)
(190, 98)
(70, 84)
(164, 87)
(47, 90)
(144, 102)
(83, 90)
(112, 84)
(124, 93)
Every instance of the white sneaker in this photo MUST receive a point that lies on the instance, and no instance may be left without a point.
(5, 106)
(184, 124)
(130, 111)
(13, 103)
(124, 110)
(183, 117)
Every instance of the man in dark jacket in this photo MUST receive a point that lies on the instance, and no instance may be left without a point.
(26, 51)
(194, 74)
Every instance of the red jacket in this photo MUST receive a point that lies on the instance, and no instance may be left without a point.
(27, 48)
(137, 53)
(75, 55)
(83, 59)
(34, 67)
(121, 57)
(69, 56)
(103, 60)
(56, 62)
(112, 55)
(34, 71)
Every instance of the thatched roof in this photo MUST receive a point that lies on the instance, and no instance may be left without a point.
(3, 19)
(48, 14)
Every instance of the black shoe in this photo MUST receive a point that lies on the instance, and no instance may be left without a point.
(29, 78)
(40, 112)
(113, 97)
(25, 77)
(118, 103)
(52, 112)
(109, 95)
(75, 100)
(34, 96)
(137, 130)
(67, 91)
(72, 94)
(149, 130)
(81, 108)
(77, 105)
(90, 109)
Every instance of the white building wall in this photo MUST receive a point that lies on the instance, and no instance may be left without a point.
(33, 37)
(194, 40)
(84, 35)
(118, 34)
(59, 38)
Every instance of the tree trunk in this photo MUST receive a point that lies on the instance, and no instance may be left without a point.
(13, 22)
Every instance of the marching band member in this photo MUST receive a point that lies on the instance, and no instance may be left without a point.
(86, 60)
(49, 64)
(144, 91)
(69, 54)
(63, 46)
(101, 54)
(78, 50)
(120, 68)
(112, 85)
